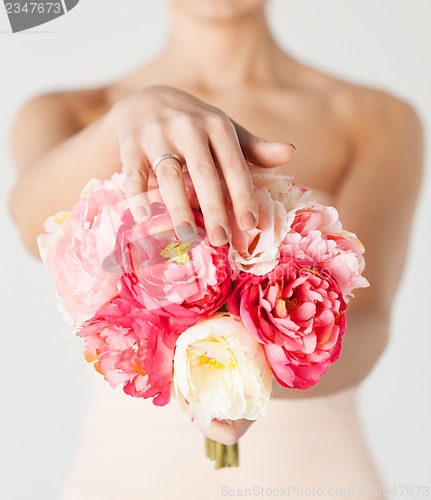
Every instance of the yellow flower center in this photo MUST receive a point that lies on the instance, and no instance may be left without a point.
(204, 360)
(177, 251)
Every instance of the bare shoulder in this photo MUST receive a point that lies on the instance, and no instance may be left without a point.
(47, 119)
(386, 136)
(382, 127)
(74, 103)
(371, 113)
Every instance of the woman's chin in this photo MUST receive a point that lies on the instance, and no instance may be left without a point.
(220, 10)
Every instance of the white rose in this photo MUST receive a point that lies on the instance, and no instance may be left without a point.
(221, 372)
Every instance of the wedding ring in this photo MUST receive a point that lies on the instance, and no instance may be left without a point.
(162, 157)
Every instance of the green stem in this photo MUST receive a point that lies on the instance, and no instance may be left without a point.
(222, 455)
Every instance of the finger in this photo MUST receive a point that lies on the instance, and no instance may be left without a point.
(208, 189)
(171, 184)
(241, 426)
(236, 174)
(227, 432)
(261, 152)
(135, 168)
(222, 432)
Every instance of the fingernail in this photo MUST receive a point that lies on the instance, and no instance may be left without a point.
(219, 235)
(141, 212)
(248, 220)
(293, 145)
(186, 232)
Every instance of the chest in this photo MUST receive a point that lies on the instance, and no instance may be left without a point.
(309, 122)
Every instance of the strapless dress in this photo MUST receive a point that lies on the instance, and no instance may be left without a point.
(133, 450)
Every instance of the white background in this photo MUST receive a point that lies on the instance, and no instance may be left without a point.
(43, 375)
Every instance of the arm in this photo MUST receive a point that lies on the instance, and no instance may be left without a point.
(54, 157)
(376, 200)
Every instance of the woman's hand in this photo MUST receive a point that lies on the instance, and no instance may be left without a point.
(227, 431)
(159, 120)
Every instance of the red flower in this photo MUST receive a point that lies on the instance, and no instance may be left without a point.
(297, 312)
(133, 347)
(184, 282)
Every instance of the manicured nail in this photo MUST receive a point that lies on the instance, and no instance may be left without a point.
(141, 212)
(186, 232)
(248, 220)
(219, 235)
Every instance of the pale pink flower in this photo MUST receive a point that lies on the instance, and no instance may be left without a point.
(316, 233)
(345, 261)
(257, 251)
(310, 216)
(280, 186)
(76, 244)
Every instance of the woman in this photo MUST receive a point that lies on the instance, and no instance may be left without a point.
(220, 86)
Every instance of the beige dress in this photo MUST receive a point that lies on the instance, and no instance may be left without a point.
(132, 450)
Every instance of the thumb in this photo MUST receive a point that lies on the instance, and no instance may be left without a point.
(262, 152)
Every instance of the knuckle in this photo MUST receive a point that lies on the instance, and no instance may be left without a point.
(155, 125)
(220, 121)
(180, 213)
(169, 170)
(244, 199)
(116, 109)
(206, 169)
(181, 121)
(236, 164)
(213, 211)
(122, 111)
(133, 173)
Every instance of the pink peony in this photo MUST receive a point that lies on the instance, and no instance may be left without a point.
(257, 251)
(133, 347)
(345, 261)
(310, 216)
(183, 280)
(75, 245)
(297, 312)
(316, 233)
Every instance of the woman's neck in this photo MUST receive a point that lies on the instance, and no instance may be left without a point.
(211, 57)
(216, 55)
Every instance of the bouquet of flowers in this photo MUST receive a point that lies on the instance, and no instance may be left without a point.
(212, 326)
